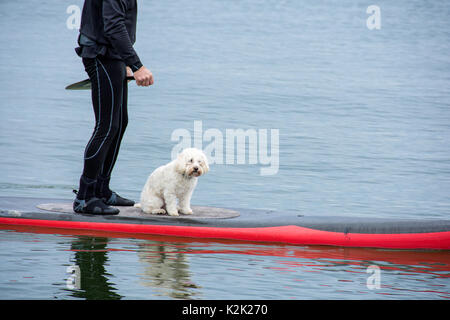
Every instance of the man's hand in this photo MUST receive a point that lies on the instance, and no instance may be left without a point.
(143, 77)
(129, 72)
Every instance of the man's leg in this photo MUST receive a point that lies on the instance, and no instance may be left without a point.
(103, 191)
(107, 78)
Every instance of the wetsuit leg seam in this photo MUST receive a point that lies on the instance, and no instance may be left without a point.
(99, 109)
(118, 137)
(112, 111)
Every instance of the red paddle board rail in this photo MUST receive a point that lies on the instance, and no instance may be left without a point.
(282, 234)
(251, 225)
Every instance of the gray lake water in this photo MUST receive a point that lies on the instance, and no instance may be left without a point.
(364, 127)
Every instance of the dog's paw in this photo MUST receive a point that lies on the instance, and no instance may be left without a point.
(158, 211)
(186, 211)
(173, 213)
(146, 210)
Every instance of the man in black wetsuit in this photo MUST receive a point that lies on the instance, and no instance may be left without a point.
(107, 35)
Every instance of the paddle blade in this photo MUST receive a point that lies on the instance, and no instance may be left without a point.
(81, 85)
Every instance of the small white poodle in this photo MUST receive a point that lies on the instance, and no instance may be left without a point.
(174, 181)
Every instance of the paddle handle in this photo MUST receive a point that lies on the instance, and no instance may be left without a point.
(86, 84)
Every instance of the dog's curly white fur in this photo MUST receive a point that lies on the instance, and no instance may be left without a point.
(174, 181)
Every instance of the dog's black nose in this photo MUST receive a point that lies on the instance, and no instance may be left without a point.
(195, 168)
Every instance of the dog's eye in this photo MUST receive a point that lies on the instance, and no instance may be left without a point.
(192, 160)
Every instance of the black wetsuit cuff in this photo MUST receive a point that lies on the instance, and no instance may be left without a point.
(136, 66)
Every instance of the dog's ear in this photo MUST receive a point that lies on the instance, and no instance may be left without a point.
(180, 164)
(205, 164)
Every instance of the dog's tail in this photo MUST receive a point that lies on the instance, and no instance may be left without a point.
(137, 205)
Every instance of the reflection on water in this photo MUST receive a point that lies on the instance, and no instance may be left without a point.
(166, 269)
(90, 257)
(113, 266)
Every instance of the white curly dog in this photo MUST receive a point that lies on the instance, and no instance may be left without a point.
(174, 181)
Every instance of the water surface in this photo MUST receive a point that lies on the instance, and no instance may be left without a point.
(175, 268)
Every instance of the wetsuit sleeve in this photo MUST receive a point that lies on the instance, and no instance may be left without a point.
(114, 13)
